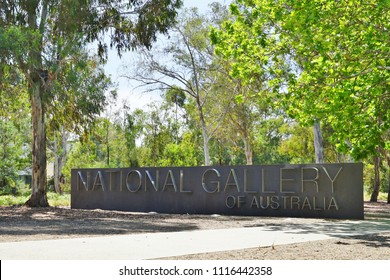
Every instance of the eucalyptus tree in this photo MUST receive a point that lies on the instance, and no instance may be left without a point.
(329, 60)
(186, 62)
(39, 37)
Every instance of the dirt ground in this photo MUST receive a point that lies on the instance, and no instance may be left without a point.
(23, 223)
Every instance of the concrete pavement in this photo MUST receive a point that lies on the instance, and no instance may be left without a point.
(158, 245)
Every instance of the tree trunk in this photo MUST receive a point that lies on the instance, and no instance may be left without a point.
(248, 151)
(388, 166)
(59, 158)
(375, 191)
(205, 143)
(318, 143)
(38, 186)
(205, 133)
(388, 192)
(56, 174)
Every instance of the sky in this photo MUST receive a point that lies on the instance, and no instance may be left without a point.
(127, 91)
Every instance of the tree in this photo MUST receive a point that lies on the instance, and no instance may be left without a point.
(59, 147)
(38, 37)
(187, 63)
(328, 60)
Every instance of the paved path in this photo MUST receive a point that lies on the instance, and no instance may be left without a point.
(157, 245)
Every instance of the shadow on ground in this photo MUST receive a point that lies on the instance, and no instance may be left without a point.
(21, 223)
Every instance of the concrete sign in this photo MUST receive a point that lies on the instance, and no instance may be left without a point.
(311, 190)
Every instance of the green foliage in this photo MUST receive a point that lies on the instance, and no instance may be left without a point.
(45, 41)
(330, 56)
(298, 147)
(269, 137)
(56, 199)
(369, 174)
(11, 200)
(10, 154)
(78, 95)
(14, 129)
(18, 200)
(182, 154)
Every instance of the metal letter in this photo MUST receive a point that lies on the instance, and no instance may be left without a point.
(111, 172)
(306, 202)
(99, 177)
(275, 202)
(333, 203)
(240, 201)
(230, 206)
(153, 182)
(285, 180)
(81, 178)
(296, 202)
(310, 180)
(129, 187)
(334, 179)
(315, 204)
(218, 183)
(255, 202)
(263, 183)
(173, 182)
(235, 183)
(182, 190)
(262, 200)
(284, 201)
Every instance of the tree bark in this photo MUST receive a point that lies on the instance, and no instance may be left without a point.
(388, 192)
(38, 186)
(59, 158)
(318, 143)
(375, 191)
(248, 150)
(206, 139)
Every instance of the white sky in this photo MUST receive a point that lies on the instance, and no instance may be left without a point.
(135, 98)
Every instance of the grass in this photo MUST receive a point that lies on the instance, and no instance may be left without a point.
(64, 199)
(382, 196)
(53, 198)
(56, 199)
(12, 200)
